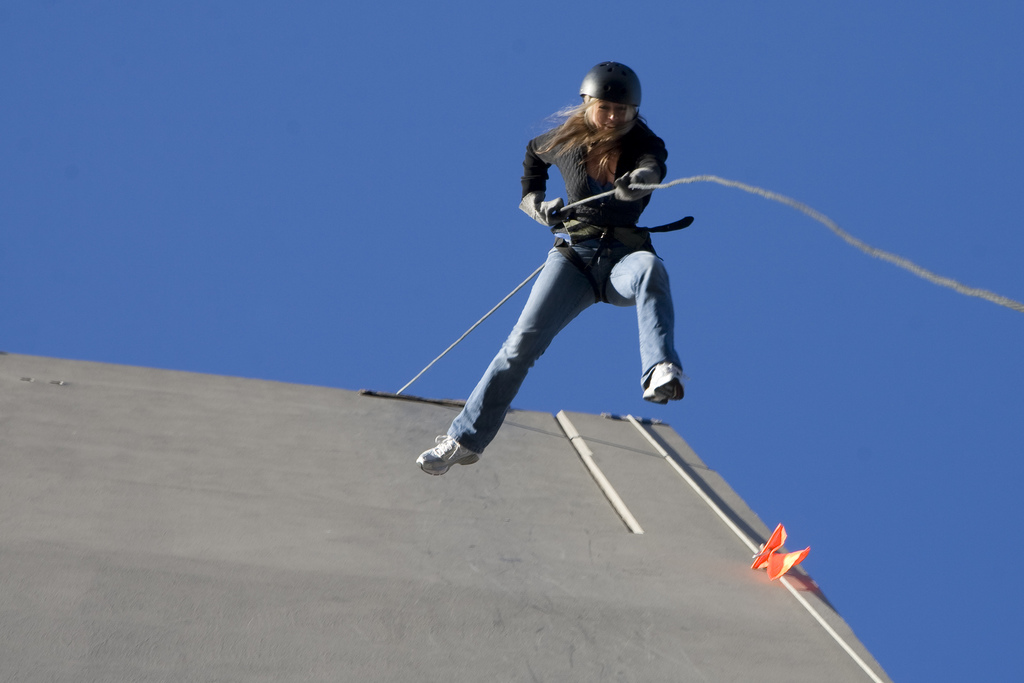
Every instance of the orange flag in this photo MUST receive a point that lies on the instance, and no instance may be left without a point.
(778, 563)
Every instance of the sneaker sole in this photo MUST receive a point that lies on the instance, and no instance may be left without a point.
(673, 391)
(468, 460)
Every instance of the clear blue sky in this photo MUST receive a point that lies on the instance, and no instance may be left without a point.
(326, 193)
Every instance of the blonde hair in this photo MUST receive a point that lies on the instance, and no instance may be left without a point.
(578, 130)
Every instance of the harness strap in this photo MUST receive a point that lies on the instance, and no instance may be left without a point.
(607, 235)
(674, 225)
(564, 247)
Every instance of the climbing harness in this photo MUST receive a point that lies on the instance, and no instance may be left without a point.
(775, 197)
(564, 247)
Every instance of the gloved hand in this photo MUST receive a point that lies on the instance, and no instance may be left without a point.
(644, 175)
(534, 206)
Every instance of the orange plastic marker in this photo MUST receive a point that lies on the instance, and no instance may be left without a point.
(778, 563)
(776, 540)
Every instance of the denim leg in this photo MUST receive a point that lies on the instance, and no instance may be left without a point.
(640, 279)
(560, 293)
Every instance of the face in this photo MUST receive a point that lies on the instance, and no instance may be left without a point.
(610, 115)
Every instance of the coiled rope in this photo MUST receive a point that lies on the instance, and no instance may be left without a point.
(782, 199)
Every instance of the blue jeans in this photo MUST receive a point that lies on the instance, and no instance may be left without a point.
(560, 293)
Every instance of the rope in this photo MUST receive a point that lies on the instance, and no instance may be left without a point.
(475, 325)
(875, 252)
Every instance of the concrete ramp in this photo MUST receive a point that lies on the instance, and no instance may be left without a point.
(169, 526)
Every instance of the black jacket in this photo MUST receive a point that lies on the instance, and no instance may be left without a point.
(639, 147)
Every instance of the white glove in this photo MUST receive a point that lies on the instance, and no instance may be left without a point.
(640, 176)
(546, 213)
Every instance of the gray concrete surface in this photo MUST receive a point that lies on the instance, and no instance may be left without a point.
(168, 526)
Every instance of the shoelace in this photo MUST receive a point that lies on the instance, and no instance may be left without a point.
(449, 447)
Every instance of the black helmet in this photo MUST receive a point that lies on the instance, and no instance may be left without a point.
(613, 82)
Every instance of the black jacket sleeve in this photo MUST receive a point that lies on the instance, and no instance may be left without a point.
(535, 168)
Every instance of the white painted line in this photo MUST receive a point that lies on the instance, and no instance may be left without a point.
(831, 631)
(587, 456)
(693, 484)
(753, 548)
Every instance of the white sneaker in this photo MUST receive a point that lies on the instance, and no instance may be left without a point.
(664, 384)
(446, 453)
